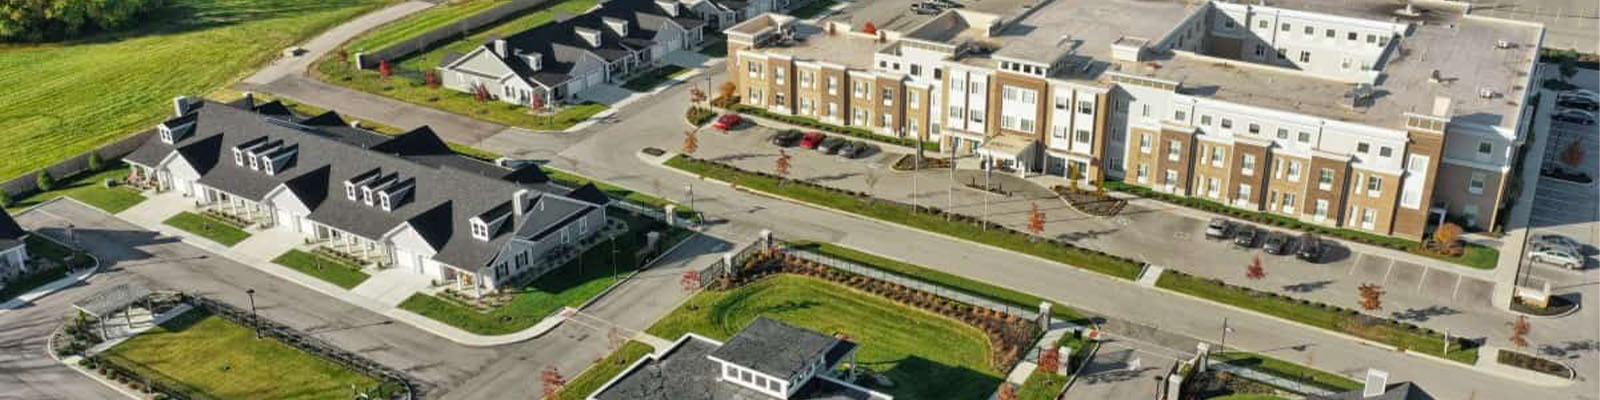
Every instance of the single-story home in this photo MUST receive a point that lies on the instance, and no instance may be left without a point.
(13, 248)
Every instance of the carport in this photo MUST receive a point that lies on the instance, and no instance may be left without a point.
(107, 303)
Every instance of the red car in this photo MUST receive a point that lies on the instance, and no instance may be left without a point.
(811, 140)
(728, 121)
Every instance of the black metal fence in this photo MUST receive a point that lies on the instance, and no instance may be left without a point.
(72, 166)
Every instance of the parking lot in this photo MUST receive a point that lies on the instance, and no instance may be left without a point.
(1567, 208)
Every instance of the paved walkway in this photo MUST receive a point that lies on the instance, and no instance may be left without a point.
(392, 286)
(331, 40)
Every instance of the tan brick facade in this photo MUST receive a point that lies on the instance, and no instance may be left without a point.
(1213, 171)
(1254, 177)
(1412, 223)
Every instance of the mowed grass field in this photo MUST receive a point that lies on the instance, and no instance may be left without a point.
(62, 99)
(528, 20)
(416, 24)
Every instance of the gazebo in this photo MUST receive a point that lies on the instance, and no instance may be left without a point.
(108, 302)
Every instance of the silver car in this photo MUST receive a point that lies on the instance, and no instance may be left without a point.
(1556, 255)
(1558, 241)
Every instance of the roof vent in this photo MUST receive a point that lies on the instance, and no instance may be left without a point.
(1359, 96)
(1502, 44)
(1487, 93)
(1377, 384)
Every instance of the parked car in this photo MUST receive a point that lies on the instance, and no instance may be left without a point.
(786, 138)
(947, 4)
(1276, 243)
(1246, 236)
(832, 145)
(1578, 102)
(1556, 255)
(1219, 228)
(728, 121)
(1551, 239)
(860, 149)
(1311, 248)
(811, 140)
(924, 9)
(1583, 93)
(1574, 117)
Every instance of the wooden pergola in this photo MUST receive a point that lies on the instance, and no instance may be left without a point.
(108, 302)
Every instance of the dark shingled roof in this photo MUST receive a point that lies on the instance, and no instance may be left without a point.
(1397, 391)
(449, 189)
(11, 234)
(561, 46)
(777, 349)
(685, 373)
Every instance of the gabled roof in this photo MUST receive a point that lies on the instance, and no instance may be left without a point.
(449, 189)
(778, 349)
(1397, 391)
(562, 48)
(11, 234)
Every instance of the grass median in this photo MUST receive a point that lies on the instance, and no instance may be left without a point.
(340, 274)
(603, 371)
(1288, 370)
(1350, 322)
(901, 214)
(210, 228)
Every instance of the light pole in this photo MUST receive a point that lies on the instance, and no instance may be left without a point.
(988, 170)
(1223, 345)
(613, 256)
(255, 320)
(690, 188)
(915, 167)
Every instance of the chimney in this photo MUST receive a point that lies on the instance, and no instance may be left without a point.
(355, 123)
(500, 48)
(180, 106)
(249, 101)
(1377, 383)
(669, 6)
(519, 202)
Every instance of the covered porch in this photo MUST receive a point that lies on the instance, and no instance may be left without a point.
(237, 209)
(349, 247)
(1008, 153)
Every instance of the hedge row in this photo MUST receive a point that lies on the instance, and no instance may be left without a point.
(842, 130)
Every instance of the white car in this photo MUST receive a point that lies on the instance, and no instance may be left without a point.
(1556, 255)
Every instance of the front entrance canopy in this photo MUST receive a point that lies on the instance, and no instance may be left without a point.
(112, 300)
(1007, 151)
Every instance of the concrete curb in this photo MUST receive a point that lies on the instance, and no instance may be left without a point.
(1185, 295)
(71, 363)
(651, 264)
(72, 279)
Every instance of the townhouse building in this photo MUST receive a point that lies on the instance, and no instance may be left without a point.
(13, 249)
(405, 201)
(1372, 115)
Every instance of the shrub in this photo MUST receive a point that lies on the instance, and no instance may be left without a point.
(95, 162)
(45, 181)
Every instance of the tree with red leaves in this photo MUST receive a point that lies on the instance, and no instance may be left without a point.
(783, 165)
(1007, 392)
(691, 141)
(480, 93)
(1254, 271)
(1036, 220)
(1573, 154)
(690, 281)
(1050, 360)
(1519, 332)
(431, 79)
(1371, 296)
(384, 70)
(553, 381)
(869, 28)
(344, 57)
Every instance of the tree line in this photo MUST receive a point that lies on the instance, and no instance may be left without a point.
(40, 20)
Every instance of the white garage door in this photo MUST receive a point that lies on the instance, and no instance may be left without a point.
(596, 78)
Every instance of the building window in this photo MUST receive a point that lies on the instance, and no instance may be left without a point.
(1026, 125)
(1294, 171)
(1369, 219)
(778, 100)
(1385, 152)
(1143, 173)
(1305, 56)
(350, 191)
(911, 98)
(956, 112)
(730, 372)
(745, 376)
(1171, 178)
(1262, 24)
(1485, 149)
(1244, 194)
(1255, 129)
(916, 70)
(806, 79)
(975, 115)
(777, 76)
(1329, 33)
(480, 230)
(888, 96)
(1362, 148)
(1374, 186)
(1305, 137)
(833, 85)
(1247, 164)
(1283, 133)
(1475, 185)
(1310, 30)
(1216, 157)
(761, 380)
(1321, 212)
(1227, 123)
(1086, 107)
(1285, 27)
(1351, 36)
(1179, 116)
(1144, 144)
(1205, 120)
(1289, 202)
(1325, 179)
(1082, 136)
(1172, 150)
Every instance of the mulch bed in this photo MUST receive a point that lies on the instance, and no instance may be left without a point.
(905, 163)
(1092, 203)
(1536, 364)
(1558, 305)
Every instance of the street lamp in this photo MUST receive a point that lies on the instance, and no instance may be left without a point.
(690, 188)
(254, 318)
(613, 256)
(1223, 345)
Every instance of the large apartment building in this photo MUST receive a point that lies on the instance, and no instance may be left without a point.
(1372, 115)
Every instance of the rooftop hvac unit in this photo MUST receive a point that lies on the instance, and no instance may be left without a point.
(1502, 44)
(1487, 93)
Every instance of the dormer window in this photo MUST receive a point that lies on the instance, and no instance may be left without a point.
(535, 61)
(166, 134)
(255, 163)
(383, 201)
(366, 195)
(617, 25)
(350, 191)
(480, 230)
(238, 157)
(266, 166)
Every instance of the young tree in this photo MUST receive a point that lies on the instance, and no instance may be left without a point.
(1371, 296)
(782, 166)
(431, 79)
(44, 181)
(1073, 175)
(690, 280)
(1573, 154)
(344, 56)
(691, 141)
(1447, 235)
(553, 381)
(1519, 332)
(727, 90)
(1254, 271)
(95, 162)
(696, 96)
(384, 70)
(1050, 360)
(1007, 392)
(1036, 220)
(869, 28)
(872, 178)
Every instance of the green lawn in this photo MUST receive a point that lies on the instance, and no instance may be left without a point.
(927, 356)
(210, 357)
(941, 278)
(529, 19)
(650, 79)
(412, 90)
(91, 190)
(62, 99)
(344, 275)
(416, 24)
(569, 285)
(602, 371)
(1284, 369)
(210, 228)
(901, 214)
(629, 195)
(1325, 317)
(1042, 385)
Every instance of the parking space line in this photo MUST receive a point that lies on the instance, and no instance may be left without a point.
(1457, 289)
(1357, 264)
(1387, 271)
(1424, 279)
